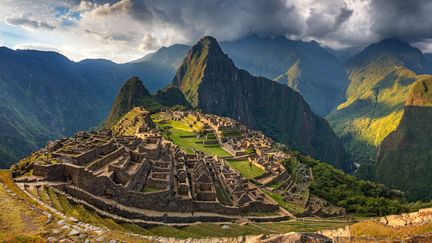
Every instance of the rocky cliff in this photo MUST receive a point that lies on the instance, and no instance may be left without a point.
(211, 82)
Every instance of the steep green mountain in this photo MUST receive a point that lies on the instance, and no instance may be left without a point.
(211, 82)
(134, 94)
(404, 158)
(380, 78)
(44, 96)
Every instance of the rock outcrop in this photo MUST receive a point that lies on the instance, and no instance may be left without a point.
(211, 82)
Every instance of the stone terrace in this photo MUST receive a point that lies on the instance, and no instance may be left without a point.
(143, 176)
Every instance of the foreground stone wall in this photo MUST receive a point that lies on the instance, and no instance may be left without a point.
(53, 172)
(423, 216)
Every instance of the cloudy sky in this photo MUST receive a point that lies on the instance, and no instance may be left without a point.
(123, 30)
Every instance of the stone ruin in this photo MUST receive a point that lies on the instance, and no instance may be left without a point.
(143, 176)
(254, 146)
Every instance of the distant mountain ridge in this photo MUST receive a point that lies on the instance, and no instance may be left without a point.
(380, 79)
(44, 96)
(211, 82)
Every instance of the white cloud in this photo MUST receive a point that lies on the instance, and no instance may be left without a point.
(28, 23)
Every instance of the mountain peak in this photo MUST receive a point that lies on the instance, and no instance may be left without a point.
(135, 83)
(202, 60)
(132, 94)
(209, 44)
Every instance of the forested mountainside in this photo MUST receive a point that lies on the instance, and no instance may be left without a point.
(404, 158)
(380, 79)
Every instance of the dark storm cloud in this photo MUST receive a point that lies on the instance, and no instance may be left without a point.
(406, 19)
(320, 24)
(224, 18)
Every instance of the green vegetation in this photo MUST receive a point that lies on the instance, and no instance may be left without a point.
(356, 196)
(364, 121)
(246, 168)
(404, 158)
(381, 77)
(150, 189)
(192, 77)
(132, 94)
(17, 220)
(186, 137)
(235, 230)
(290, 206)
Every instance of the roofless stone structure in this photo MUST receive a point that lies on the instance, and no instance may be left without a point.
(132, 172)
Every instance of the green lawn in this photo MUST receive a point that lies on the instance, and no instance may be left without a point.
(276, 185)
(185, 137)
(244, 168)
(150, 189)
(188, 142)
(291, 207)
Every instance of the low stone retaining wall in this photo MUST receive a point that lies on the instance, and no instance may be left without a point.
(423, 216)
(124, 213)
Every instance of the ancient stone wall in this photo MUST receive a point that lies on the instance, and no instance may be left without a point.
(257, 206)
(53, 172)
(97, 164)
(215, 207)
(137, 179)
